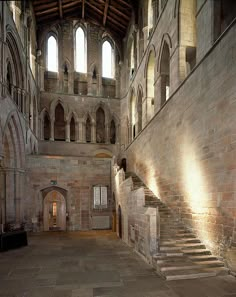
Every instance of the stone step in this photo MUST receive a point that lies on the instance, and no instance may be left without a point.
(219, 270)
(187, 274)
(192, 252)
(202, 258)
(210, 263)
(177, 241)
(178, 266)
(191, 245)
(169, 248)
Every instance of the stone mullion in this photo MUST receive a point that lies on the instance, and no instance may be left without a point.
(52, 122)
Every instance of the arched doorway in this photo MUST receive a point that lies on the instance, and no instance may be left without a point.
(120, 221)
(54, 211)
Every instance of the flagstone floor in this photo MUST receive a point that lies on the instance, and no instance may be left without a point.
(93, 264)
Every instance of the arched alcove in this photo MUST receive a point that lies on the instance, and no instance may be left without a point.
(100, 125)
(72, 129)
(12, 177)
(113, 132)
(46, 126)
(88, 130)
(150, 84)
(140, 109)
(133, 115)
(59, 126)
(165, 73)
(54, 211)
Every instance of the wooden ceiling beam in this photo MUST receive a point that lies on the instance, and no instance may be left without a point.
(105, 12)
(42, 7)
(117, 11)
(47, 11)
(74, 3)
(116, 23)
(95, 8)
(123, 2)
(118, 19)
(60, 9)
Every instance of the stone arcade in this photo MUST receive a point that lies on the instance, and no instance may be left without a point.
(121, 114)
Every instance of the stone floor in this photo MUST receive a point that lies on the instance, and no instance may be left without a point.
(89, 264)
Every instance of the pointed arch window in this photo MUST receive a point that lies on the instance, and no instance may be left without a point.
(107, 60)
(80, 48)
(150, 16)
(52, 57)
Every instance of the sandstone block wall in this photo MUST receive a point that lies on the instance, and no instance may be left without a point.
(76, 176)
(186, 154)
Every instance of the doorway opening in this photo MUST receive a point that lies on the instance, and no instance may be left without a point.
(54, 211)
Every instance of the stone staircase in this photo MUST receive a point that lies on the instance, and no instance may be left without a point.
(181, 255)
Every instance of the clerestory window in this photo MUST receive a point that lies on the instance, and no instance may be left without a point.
(52, 54)
(107, 60)
(80, 51)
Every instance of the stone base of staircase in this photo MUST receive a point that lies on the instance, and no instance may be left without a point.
(181, 255)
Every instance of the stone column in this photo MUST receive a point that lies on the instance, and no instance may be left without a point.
(81, 132)
(99, 86)
(17, 196)
(2, 196)
(52, 129)
(145, 37)
(10, 196)
(107, 138)
(41, 74)
(67, 131)
(118, 81)
(89, 84)
(23, 94)
(18, 100)
(93, 133)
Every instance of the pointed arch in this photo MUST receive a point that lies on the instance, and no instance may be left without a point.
(140, 107)
(52, 53)
(132, 107)
(53, 105)
(13, 139)
(46, 126)
(80, 49)
(59, 124)
(108, 57)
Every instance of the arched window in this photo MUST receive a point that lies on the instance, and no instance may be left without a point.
(133, 115)
(132, 60)
(9, 78)
(140, 109)
(165, 73)
(107, 60)
(113, 132)
(150, 16)
(52, 57)
(100, 125)
(150, 85)
(80, 51)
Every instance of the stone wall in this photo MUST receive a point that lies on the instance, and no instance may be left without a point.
(186, 154)
(76, 177)
(139, 223)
